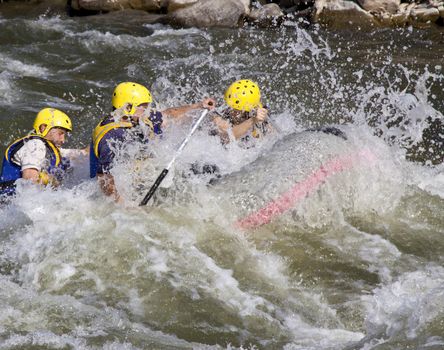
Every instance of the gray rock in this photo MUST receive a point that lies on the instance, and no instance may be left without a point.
(114, 5)
(210, 13)
(138, 17)
(424, 15)
(174, 5)
(382, 6)
(266, 15)
(384, 19)
(342, 13)
(406, 7)
(400, 19)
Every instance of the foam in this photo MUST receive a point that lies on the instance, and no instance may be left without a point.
(408, 304)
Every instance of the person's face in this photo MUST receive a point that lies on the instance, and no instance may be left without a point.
(140, 109)
(57, 136)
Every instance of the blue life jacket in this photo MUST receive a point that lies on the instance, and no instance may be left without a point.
(106, 125)
(12, 171)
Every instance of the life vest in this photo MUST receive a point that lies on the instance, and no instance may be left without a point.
(102, 129)
(12, 171)
(105, 126)
(154, 122)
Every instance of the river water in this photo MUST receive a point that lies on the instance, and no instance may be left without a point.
(305, 240)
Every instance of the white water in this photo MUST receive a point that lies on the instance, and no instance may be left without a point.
(356, 263)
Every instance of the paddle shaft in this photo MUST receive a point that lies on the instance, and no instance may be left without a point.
(178, 152)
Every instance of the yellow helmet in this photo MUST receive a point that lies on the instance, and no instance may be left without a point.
(52, 118)
(243, 95)
(132, 93)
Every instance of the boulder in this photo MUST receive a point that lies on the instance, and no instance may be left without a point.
(342, 14)
(380, 6)
(406, 7)
(174, 5)
(384, 19)
(441, 11)
(114, 5)
(425, 14)
(138, 18)
(266, 15)
(210, 13)
(400, 19)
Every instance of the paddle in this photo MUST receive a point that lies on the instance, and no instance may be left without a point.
(165, 171)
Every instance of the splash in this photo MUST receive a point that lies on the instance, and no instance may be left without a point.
(302, 189)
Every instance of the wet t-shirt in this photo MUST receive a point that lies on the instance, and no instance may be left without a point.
(32, 155)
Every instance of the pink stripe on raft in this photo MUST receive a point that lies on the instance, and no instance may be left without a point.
(302, 189)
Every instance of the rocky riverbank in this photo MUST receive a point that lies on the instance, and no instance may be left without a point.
(233, 13)
(364, 14)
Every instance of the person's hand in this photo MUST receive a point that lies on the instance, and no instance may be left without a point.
(208, 103)
(48, 180)
(222, 124)
(261, 115)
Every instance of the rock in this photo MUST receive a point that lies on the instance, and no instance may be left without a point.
(174, 5)
(441, 11)
(114, 5)
(381, 6)
(384, 19)
(406, 7)
(266, 15)
(138, 17)
(423, 14)
(400, 19)
(210, 13)
(342, 13)
(247, 4)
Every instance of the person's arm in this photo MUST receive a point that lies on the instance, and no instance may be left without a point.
(108, 187)
(39, 177)
(240, 130)
(222, 128)
(178, 112)
(31, 159)
(74, 153)
(106, 155)
(31, 174)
